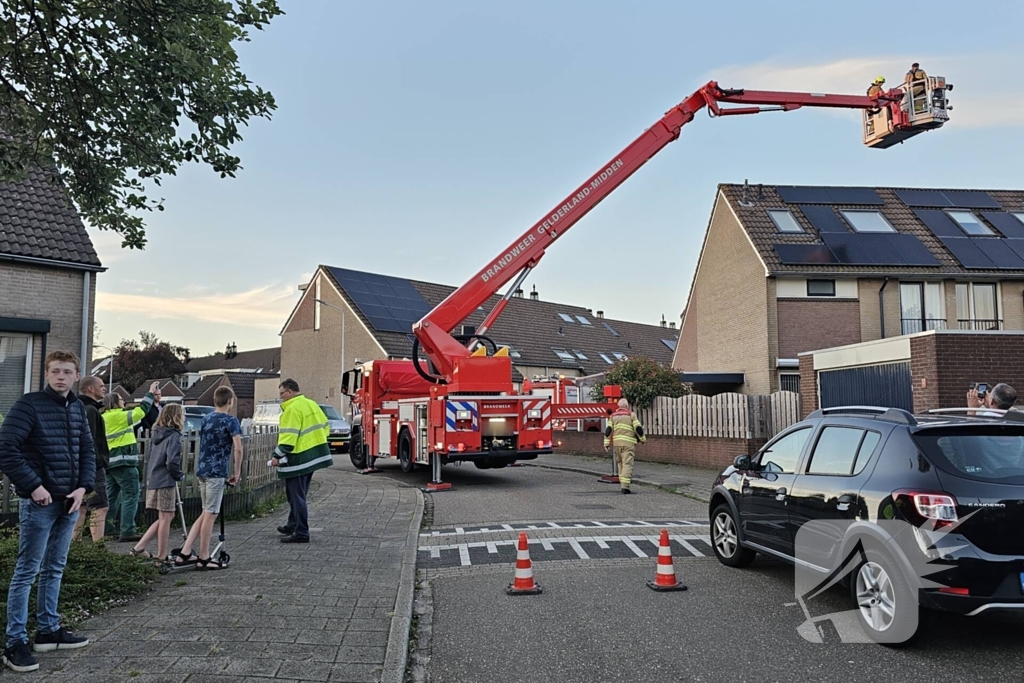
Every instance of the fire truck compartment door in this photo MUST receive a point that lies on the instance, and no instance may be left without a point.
(384, 435)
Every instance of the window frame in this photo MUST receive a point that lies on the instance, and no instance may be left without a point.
(567, 358)
(584, 321)
(670, 343)
(922, 286)
(756, 462)
(806, 469)
(790, 374)
(566, 318)
(971, 306)
(607, 360)
(778, 226)
(620, 356)
(988, 231)
(816, 280)
(579, 354)
(29, 351)
(847, 213)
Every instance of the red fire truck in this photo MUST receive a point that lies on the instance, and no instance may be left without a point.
(458, 403)
(563, 392)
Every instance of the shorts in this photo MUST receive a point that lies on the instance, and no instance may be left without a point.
(98, 498)
(161, 500)
(212, 493)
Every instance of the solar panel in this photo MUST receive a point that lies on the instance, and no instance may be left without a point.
(824, 219)
(804, 254)
(799, 194)
(1006, 223)
(855, 195)
(923, 198)
(1017, 245)
(390, 304)
(967, 253)
(939, 223)
(1000, 254)
(968, 199)
(849, 249)
(795, 194)
(911, 250)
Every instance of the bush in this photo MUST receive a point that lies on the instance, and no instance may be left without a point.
(95, 580)
(642, 380)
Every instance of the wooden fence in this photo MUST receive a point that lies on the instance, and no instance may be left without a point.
(730, 416)
(257, 482)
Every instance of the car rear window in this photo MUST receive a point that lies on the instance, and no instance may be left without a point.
(987, 453)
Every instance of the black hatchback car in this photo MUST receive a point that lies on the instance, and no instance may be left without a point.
(908, 511)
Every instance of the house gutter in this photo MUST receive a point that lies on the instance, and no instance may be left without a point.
(881, 305)
(51, 262)
(86, 283)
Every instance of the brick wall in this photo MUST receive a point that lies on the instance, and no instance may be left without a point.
(924, 377)
(870, 322)
(677, 450)
(948, 363)
(811, 324)
(731, 304)
(808, 387)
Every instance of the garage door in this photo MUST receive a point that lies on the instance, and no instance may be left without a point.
(885, 385)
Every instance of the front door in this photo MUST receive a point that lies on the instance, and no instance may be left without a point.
(765, 490)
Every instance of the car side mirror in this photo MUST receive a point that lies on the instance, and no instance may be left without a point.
(742, 462)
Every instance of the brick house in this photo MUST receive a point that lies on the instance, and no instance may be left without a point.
(169, 391)
(48, 270)
(231, 360)
(377, 311)
(242, 383)
(786, 270)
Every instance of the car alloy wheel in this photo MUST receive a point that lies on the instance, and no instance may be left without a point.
(876, 596)
(725, 535)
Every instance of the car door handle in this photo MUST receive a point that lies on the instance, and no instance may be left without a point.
(843, 504)
(780, 493)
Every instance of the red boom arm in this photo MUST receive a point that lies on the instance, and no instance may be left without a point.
(434, 330)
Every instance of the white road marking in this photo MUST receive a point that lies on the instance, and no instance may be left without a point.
(632, 546)
(579, 549)
(682, 540)
(461, 531)
(464, 555)
(546, 544)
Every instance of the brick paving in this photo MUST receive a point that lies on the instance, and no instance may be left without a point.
(336, 609)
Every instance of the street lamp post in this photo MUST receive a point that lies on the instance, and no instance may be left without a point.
(342, 311)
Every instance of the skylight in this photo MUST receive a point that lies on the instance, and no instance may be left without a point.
(566, 317)
(564, 355)
(582, 320)
(784, 220)
(1019, 216)
(620, 356)
(607, 360)
(610, 329)
(579, 354)
(670, 343)
(969, 223)
(867, 221)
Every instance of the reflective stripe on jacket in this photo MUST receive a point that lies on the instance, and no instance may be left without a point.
(302, 438)
(623, 429)
(119, 423)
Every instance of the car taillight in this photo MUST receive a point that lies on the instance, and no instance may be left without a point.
(937, 507)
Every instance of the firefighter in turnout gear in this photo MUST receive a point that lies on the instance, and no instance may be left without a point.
(916, 81)
(622, 433)
(123, 463)
(301, 450)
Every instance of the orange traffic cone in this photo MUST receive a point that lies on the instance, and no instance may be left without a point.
(523, 584)
(665, 578)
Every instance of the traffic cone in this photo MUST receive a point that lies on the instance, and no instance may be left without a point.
(523, 584)
(665, 578)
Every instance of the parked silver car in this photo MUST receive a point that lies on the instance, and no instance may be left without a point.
(267, 416)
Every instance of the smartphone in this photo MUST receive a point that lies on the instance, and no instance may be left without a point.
(982, 390)
(68, 502)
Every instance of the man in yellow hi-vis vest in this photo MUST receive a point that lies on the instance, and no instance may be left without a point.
(301, 450)
(123, 462)
(622, 433)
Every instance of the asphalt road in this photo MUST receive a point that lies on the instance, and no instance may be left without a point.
(596, 619)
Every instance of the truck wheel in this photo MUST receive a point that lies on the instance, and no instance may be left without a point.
(355, 450)
(405, 453)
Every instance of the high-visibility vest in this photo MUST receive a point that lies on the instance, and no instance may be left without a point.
(119, 424)
(623, 429)
(302, 438)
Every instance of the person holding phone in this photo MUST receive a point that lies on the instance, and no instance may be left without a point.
(1000, 398)
(47, 451)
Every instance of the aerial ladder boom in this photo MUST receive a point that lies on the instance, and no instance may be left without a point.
(453, 361)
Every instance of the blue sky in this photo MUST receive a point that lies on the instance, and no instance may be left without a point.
(419, 139)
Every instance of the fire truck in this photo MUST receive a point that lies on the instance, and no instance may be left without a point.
(563, 392)
(453, 399)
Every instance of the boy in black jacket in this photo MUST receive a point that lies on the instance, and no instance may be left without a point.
(47, 451)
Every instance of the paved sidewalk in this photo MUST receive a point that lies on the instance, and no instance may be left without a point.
(337, 609)
(694, 482)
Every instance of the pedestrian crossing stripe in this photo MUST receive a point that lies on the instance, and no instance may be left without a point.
(544, 526)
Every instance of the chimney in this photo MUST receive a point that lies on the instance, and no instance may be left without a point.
(600, 314)
(672, 325)
(663, 323)
(533, 295)
(518, 293)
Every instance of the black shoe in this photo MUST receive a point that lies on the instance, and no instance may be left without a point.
(130, 537)
(626, 491)
(292, 538)
(61, 639)
(19, 658)
(286, 530)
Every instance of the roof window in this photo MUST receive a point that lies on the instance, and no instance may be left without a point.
(610, 329)
(619, 356)
(867, 221)
(1019, 216)
(564, 355)
(784, 220)
(670, 343)
(583, 321)
(607, 360)
(579, 354)
(970, 223)
(566, 317)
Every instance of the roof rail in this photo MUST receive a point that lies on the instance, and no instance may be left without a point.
(1012, 414)
(897, 415)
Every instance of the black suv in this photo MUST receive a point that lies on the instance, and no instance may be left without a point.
(889, 504)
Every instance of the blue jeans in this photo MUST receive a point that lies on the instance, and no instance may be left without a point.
(297, 488)
(44, 538)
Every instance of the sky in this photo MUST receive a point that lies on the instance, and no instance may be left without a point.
(420, 139)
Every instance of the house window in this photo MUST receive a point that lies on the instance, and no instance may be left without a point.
(15, 368)
(867, 221)
(821, 288)
(789, 381)
(566, 317)
(579, 354)
(564, 355)
(977, 306)
(611, 329)
(970, 223)
(784, 221)
(316, 307)
(607, 360)
(619, 356)
(922, 307)
(583, 321)
(670, 343)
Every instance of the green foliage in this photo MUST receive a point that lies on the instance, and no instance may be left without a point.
(95, 580)
(121, 94)
(148, 358)
(642, 380)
